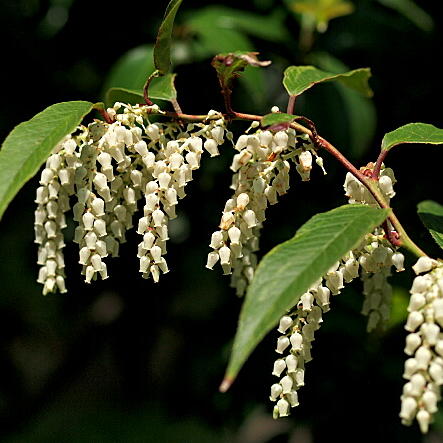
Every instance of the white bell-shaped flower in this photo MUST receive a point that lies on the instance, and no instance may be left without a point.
(411, 365)
(213, 258)
(225, 255)
(291, 363)
(408, 408)
(415, 319)
(398, 260)
(276, 391)
(416, 302)
(282, 344)
(423, 356)
(286, 383)
(283, 408)
(296, 340)
(285, 323)
(423, 418)
(413, 341)
(158, 217)
(292, 398)
(234, 234)
(420, 285)
(279, 367)
(423, 264)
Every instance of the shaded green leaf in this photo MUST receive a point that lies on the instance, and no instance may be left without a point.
(214, 18)
(131, 70)
(29, 144)
(413, 133)
(162, 48)
(298, 79)
(123, 95)
(411, 11)
(288, 270)
(431, 214)
(277, 118)
(359, 112)
(162, 88)
(213, 41)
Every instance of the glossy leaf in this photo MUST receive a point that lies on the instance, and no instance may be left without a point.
(298, 79)
(30, 143)
(413, 133)
(431, 214)
(162, 48)
(288, 270)
(277, 118)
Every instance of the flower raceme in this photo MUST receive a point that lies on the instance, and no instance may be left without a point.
(261, 176)
(372, 260)
(107, 168)
(424, 345)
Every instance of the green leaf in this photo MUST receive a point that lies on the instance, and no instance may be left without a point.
(277, 118)
(431, 214)
(359, 112)
(229, 66)
(298, 79)
(162, 88)
(413, 133)
(29, 144)
(213, 41)
(162, 48)
(411, 11)
(123, 95)
(288, 270)
(131, 70)
(214, 18)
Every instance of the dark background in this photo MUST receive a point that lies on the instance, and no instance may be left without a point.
(125, 360)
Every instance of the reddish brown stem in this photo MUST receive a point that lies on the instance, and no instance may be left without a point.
(226, 92)
(106, 116)
(291, 104)
(392, 236)
(146, 87)
(379, 162)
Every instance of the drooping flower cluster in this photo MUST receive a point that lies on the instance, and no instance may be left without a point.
(372, 260)
(358, 193)
(52, 198)
(261, 175)
(297, 330)
(110, 167)
(378, 255)
(376, 261)
(424, 345)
